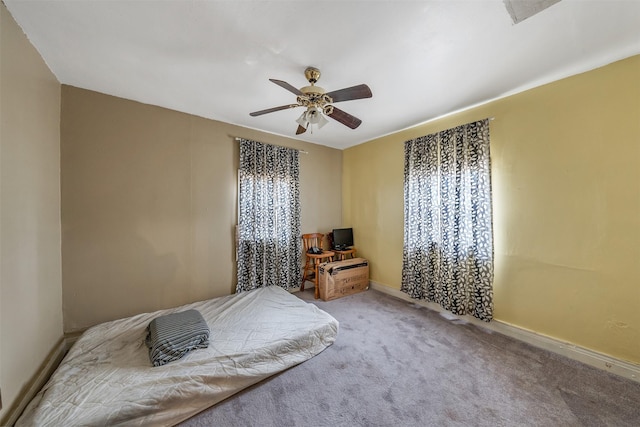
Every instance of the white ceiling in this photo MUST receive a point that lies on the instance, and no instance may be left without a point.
(421, 59)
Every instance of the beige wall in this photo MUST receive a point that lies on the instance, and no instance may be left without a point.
(30, 277)
(566, 188)
(149, 201)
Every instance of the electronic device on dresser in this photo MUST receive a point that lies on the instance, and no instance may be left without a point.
(342, 238)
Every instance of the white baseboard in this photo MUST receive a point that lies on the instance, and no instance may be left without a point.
(598, 360)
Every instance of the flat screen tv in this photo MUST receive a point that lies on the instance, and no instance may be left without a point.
(342, 238)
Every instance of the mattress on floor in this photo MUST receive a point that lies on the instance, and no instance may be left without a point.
(107, 378)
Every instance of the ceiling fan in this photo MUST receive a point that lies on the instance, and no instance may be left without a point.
(319, 103)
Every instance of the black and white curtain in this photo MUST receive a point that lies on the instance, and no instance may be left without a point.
(448, 233)
(269, 246)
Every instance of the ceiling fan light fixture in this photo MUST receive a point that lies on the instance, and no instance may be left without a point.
(315, 117)
(312, 116)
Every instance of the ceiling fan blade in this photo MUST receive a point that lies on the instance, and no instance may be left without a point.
(345, 118)
(349, 93)
(271, 110)
(300, 130)
(287, 86)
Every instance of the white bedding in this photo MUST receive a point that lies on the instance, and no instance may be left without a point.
(107, 378)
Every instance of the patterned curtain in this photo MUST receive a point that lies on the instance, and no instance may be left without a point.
(448, 233)
(269, 246)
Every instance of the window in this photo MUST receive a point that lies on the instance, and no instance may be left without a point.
(268, 217)
(448, 232)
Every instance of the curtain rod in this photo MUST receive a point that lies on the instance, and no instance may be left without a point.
(237, 138)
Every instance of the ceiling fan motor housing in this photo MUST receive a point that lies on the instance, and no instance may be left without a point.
(313, 89)
(313, 99)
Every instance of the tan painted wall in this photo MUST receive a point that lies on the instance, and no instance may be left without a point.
(566, 188)
(149, 201)
(30, 277)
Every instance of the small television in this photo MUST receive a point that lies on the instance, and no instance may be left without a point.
(342, 238)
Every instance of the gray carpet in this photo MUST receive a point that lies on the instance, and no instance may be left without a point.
(398, 364)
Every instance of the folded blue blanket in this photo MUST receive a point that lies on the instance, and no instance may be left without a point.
(172, 336)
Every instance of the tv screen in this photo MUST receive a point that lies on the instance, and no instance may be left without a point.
(342, 238)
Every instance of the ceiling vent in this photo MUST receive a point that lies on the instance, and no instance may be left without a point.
(523, 9)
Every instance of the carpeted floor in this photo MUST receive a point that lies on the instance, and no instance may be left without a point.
(399, 364)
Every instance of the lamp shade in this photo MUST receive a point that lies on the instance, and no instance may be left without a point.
(313, 116)
(302, 120)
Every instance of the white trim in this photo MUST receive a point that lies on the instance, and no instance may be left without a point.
(598, 360)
